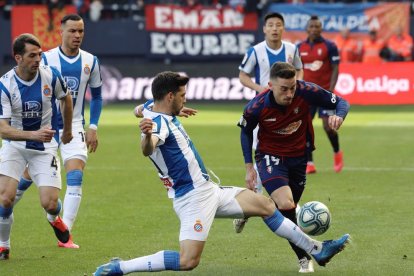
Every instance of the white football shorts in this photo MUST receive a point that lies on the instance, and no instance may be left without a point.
(198, 208)
(44, 167)
(76, 149)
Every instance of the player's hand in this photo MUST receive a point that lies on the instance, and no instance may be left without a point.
(264, 88)
(251, 177)
(66, 136)
(45, 134)
(138, 111)
(186, 112)
(335, 122)
(91, 140)
(146, 126)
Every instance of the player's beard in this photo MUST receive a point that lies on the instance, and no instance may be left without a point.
(176, 108)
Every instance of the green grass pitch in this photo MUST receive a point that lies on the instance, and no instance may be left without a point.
(125, 211)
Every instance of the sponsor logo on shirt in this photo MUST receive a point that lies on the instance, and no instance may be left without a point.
(291, 128)
(32, 110)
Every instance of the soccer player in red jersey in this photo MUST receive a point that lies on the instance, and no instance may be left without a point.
(285, 127)
(320, 60)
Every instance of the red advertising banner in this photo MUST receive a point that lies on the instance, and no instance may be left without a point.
(170, 18)
(35, 19)
(386, 84)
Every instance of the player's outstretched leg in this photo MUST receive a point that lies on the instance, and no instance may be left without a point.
(162, 260)
(329, 249)
(112, 268)
(322, 252)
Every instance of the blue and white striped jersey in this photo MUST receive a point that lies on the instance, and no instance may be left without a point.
(78, 72)
(32, 105)
(260, 59)
(178, 163)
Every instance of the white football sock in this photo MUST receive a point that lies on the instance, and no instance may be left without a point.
(294, 234)
(155, 262)
(5, 228)
(71, 205)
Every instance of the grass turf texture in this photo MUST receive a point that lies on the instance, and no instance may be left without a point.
(125, 211)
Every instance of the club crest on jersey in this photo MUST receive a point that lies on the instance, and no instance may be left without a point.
(47, 91)
(319, 51)
(269, 169)
(87, 70)
(296, 110)
(198, 227)
(290, 59)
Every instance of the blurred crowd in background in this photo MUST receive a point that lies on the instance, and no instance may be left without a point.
(398, 47)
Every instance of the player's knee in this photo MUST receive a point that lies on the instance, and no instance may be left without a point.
(74, 178)
(50, 204)
(189, 263)
(6, 201)
(286, 204)
(268, 206)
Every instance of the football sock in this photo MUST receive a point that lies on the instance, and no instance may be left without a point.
(309, 152)
(51, 216)
(73, 197)
(291, 215)
(162, 260)
(23, 185)
(334, 139)
(290, 231)
(6, 221)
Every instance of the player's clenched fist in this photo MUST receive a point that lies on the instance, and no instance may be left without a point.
(146, 126)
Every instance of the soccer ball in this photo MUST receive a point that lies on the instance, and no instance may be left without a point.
(314, 218)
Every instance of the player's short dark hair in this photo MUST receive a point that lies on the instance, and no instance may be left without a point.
(19, 44)
(313, 18)
(72, 16)
(273, 15)
(166, 82)
(282, 70)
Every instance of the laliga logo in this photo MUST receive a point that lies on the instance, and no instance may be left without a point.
(347, 84)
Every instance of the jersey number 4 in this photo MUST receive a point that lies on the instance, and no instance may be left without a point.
(54, 163)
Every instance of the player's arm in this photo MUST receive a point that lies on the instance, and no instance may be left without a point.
(299, 74)
(341, 110)
(66, 106)
(8, 132)
(297, 62)
(149, 141)
(184, 112)
(334, 59)
(316, 95)
(95, 114)
(247, 125)
(334, 77)
(246, 80)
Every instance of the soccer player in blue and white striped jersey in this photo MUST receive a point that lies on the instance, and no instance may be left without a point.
(29, 128)
(80, 69)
